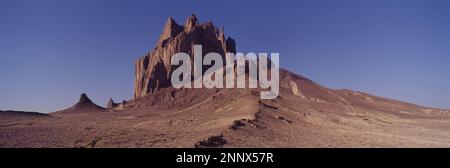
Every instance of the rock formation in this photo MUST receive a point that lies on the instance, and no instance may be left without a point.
(153, 70)
(84, 105)
(111, 104)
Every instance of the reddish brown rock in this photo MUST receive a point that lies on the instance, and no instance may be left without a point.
(153, 70)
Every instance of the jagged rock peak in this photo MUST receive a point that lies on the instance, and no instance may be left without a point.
(171, 29)
(154, 69)
(191, 22)
(230, 45)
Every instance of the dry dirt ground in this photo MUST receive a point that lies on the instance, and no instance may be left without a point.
(304, 115)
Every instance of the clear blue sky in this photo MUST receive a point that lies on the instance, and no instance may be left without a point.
(53, 50)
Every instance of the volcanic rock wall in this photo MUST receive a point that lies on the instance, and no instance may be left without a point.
(153, 70)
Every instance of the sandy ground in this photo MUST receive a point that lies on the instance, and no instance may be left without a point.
(230, 122)
(304, 115)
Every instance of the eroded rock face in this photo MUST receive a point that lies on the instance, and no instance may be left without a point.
(153, 70)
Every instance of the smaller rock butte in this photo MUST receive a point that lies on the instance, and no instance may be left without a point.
(111, 104)
(154, 70)
(84, 104)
